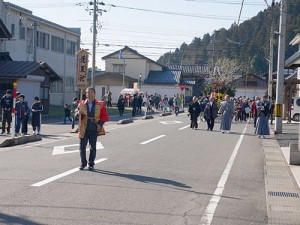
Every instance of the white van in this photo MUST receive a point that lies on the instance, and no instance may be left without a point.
(295, 109)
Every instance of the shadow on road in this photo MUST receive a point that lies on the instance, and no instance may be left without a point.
(144, 179)
(8, 219)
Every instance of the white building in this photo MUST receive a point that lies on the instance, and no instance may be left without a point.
(36, 39)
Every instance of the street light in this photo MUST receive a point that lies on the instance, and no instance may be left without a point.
(140, 82)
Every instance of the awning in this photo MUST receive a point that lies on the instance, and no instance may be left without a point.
(293, 61)
(20, 69)
(4, 33)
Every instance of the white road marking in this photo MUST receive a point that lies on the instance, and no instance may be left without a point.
(214, 201)
(182, 128)
(153, 139)
(170, 122)
(58, 150)
(41, 183)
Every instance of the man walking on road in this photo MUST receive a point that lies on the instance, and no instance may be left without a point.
(6, 105)
(211, 113)
(93, 115)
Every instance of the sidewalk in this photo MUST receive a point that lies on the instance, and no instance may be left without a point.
(281, 179)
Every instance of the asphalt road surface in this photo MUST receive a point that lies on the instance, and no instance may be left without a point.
(157, 172)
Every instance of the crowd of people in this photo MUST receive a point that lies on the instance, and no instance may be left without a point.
(239, 110)
(22, 114)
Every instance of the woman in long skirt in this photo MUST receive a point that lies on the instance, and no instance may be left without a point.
(262, 126)
(226, 110)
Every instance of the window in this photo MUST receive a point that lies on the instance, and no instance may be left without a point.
(12, 30)
(57, 87)
(70, 84)
(119, 68)
(42, 40)
(22, 33)
(71, 47)
(57, 44)
(44, 93)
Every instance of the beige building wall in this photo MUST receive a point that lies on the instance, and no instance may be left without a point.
(134, 65)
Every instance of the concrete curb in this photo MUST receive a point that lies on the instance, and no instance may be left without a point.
(166, 114)
(125, 121)
(20, 140)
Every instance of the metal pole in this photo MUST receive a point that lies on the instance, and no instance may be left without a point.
(35, 24)
(280, 68)
(270, 91)
(13, 115)
(94, 43)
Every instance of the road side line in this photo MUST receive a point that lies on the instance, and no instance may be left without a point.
(153, 139)
(41, 183)
(182, 128)
(214, 201)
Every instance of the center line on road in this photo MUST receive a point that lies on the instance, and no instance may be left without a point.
(153, 139)
(182, 128)
(41, 183)
(209, 212)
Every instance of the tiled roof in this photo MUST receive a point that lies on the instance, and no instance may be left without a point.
(4, 33)
(164, 77)
(190, 69)
(20, 69)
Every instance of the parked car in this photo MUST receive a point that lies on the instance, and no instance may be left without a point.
(295, 109)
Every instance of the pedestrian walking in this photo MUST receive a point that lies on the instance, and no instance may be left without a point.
(121, 105)
(67, 113)
(262, 126)
(21, 114)
(6, 105)
(36, 120)
(211, 113)
(93, 115)
(134, 105)
(194, 111)
(272, 106)
(139, 104)
(254, 110)
(226, 110)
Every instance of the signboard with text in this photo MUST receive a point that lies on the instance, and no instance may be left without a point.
(82, 73)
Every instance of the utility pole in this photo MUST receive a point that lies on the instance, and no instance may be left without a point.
(35, 38)
(280, 68)
(271, 57)
(96, 11)
(94, 43)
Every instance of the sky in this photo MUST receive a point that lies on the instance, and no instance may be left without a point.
(152, 27)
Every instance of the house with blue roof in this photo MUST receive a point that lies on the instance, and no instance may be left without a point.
(147, 75)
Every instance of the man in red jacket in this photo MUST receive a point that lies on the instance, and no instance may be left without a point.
(93, 115)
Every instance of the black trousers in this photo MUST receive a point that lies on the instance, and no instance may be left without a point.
(6, 118)
(194, 122)
(91, 137)
(210, 124)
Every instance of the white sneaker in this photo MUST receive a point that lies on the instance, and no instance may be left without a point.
(22, 134)
(33, 132)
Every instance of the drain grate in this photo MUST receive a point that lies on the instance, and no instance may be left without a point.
(283, 194)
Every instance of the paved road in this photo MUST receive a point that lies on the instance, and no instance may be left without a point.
(157, 172)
